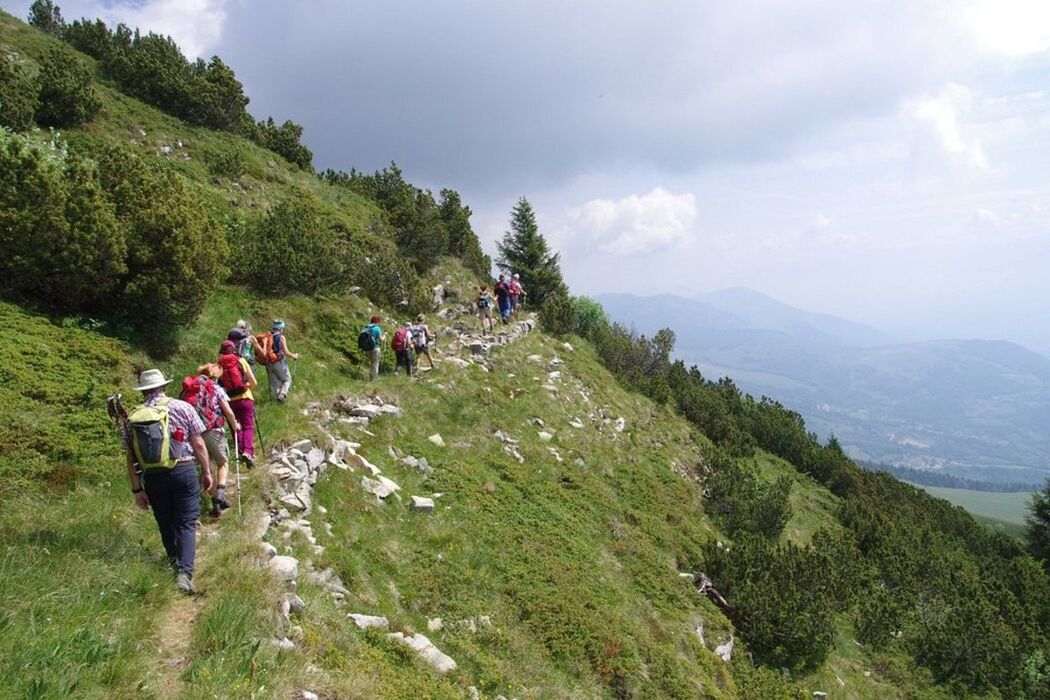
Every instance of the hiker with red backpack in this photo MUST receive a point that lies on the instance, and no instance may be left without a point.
(238, 380)
(274, 354)
(401, 344)
(163, 437)
(212, 404)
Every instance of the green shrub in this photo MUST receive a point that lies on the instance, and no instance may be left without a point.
(67, 97)
(742, 503)
(228, 163)
(293, 249)
(590, 315)
(63, 246)
(18, 95)
(557, 314)
(284, 140)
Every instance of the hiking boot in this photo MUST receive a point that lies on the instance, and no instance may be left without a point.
(185, 584)
(249, 460)
(219, 501)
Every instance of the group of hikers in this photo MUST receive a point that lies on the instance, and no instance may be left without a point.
(410, 342)
(166, 438)
(510, 297)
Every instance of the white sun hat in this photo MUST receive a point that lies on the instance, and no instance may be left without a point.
(151, 379)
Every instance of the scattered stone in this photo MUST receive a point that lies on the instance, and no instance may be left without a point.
(425, 649)
(307, 695)
(686, 575)
(437, 440)
(284, 567)
(295, 604)
(284, 644)
(576, 423)
(621, 423)
(568, 347)
(391, 410)
(420, 503)
(261, 526)
(356, 460)
(725, 651)
(268, 550)
(545, 436)
(303, 446)
(457, 362)
(554, 376)
(366, 621)
(513, 452)
(578, 462)
(381, 488)
(423, 466)
(820, 695)
(699, 631)
(315, 458)
(555, 453)
(434, 624)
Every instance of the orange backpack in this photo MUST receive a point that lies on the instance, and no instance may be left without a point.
(267, 356)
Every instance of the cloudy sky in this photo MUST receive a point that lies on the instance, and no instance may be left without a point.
(881, 160)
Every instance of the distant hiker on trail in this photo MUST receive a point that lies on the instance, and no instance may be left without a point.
(245, 343)
(517, 293)
(275, 354)
(164, 436)
(421, 339)
(369, 339)
(401, 344)
(213, 406)
(238, 380)
(503, 296)
(484, 306)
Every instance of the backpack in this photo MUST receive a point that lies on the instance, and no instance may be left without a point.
(200, 393)
(246, 350)
(400, 341)
(419, 337)
(366, 339)
(483, 302)
(232, 379)
(149, 436)
(268, 356)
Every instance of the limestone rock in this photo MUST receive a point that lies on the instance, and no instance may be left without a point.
(725, 651)
(359, 462)
(367, 621)
(391, 410)
(268, 550)
(285, 568)
(307, 695)
(425, 649)
(576, 423)
(303, 446)
(820, 695)
(621, 424)
(434, 624)
(315, 458)
(422, 504)
(295, 604)
(284, 644)
(535, 358)
(545, 436)
(365, 411)
(437, 440)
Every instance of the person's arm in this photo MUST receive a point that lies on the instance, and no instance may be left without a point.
(141, 500)
(288, 350)
(256, 345)
(201, 451)
(230, 418)
(249, 375)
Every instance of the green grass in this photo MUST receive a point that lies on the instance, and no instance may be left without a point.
(1007, 508)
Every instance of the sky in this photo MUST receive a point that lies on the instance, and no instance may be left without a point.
(884, 161)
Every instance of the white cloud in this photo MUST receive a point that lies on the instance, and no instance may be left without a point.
(637, 224)
(1011, 27)
(942, 113)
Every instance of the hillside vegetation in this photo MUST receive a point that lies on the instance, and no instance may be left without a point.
(585, 483)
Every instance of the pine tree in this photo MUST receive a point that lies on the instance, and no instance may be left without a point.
(524, 251)
(45, 15)
(1037, 524)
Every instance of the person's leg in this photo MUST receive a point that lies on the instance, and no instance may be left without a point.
(376, 354)
(158, 491)
(286, 378)
(218, 452)
(274, 380)
(244, 411)
(409, 368)
(186, 501)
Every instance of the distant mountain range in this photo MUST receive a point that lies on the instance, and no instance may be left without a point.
(974, 408)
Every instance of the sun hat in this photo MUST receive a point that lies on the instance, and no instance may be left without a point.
(517, 276)
(151, 379)
(278, 324)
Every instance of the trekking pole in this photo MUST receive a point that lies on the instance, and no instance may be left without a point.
(262, 447)
(237, 463)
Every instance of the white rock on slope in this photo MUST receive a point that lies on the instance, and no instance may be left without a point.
(425, 649)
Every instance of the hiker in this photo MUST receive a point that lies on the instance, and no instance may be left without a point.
(245, 343)
(213, 406)
(401, 344)
(369, 339)
(421, 339)
(517, 293)
(164, 436)
(277, 355)
(484, 306)
(238, 380)
(502, 290)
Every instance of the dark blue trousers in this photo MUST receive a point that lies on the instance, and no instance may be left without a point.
(175, 497)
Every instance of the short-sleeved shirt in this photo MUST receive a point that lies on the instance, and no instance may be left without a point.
(502, 291)
(183, 422)
(375, 330)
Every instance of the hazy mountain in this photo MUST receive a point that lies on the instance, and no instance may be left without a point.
(975, 408)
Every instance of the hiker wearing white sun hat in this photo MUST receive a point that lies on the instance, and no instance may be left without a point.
(164, 436)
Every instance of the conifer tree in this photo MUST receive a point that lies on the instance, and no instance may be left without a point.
(1037, 524)
(45, 15)
(524, 251)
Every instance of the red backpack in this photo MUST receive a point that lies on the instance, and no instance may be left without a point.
(199, 392)
(232, 379)
(400, 341)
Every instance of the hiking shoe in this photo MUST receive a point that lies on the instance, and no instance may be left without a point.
(249, 460)
(185, 584)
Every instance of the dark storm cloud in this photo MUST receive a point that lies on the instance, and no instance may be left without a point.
(476, 93)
